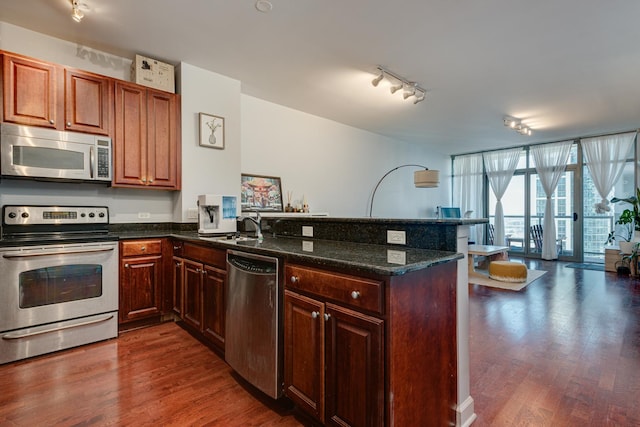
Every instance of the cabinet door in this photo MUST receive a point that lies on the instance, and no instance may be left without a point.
(88, 102)
(355, 361)
(192, 303)
(31, 94)
(213, 295)
(162, 140)
(177, 285)
(130, 136)
(304, 353)
(140, 285)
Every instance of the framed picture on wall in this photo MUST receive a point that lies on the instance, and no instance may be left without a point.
(260, 193)
(211, 131)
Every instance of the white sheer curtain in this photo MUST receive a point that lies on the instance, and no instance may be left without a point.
(500, 166)
(467, 188)
(550, 161)
(605, 157)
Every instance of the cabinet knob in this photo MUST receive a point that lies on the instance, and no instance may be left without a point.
(294, 279)
(150, 179)
(175, 248)
(198, 270)
(315, 314)
(144, 179)
(178, 264)
(143, 248)
(327, 317)
(51, 121)
(355, 294)
(68, 124)
(126, 266)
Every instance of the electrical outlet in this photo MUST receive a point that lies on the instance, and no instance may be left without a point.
(144, 215)
(396, 257)
(307, 231)
(307, 246)
(395, 237)
(192, 213)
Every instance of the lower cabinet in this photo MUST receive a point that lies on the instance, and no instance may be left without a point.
(199, 282)
(334, 356)
(141, 280)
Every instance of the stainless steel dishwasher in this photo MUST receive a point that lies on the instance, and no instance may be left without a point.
(253, 320)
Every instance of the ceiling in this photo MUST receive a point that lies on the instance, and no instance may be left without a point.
(567, 68)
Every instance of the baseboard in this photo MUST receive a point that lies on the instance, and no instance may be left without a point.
(465, 415)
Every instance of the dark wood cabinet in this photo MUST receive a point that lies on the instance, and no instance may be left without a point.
(334, 356)
(141, 280)
(192, 288)
(39, 93)
(371, 350)
(199, 284)
(304, 352)
(213, 301)
(146, 148)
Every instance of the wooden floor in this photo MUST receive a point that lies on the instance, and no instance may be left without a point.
(564, 351)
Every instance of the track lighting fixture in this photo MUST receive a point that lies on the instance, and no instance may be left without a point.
(377, 80)
(517, 125)
(77, 10)
(397, 82)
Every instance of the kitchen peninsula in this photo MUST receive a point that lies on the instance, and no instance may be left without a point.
(398, 340)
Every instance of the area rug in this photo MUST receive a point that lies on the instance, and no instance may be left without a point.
(586, 266)
(480, 278)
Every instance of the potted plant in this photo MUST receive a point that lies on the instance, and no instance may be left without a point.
(630, 220)
(632, 259)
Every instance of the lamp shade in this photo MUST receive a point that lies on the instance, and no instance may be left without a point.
(426, 178)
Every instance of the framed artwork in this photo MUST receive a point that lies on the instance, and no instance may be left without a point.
(211, 131)
(260, 193)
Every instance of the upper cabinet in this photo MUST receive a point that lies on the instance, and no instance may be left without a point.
(43, 94)
(88, 100)
(146, 140)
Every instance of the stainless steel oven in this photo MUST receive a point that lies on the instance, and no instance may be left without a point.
(59, 287)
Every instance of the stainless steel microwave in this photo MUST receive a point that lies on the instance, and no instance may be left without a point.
(28, 151)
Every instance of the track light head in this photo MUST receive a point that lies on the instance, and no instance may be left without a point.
(408, 93)
(77, 10)
(420, 98)
(378, 79)
(396, 88)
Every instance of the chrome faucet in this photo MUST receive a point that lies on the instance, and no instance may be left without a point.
(258, 223)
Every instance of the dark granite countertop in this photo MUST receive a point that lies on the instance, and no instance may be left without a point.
(389, 260)
(386, 260)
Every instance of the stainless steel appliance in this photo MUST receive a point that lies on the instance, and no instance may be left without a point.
(28, 151)
(252, 339)
(217, 214)
(59, 287)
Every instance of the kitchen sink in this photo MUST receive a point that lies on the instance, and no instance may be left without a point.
(230, 238)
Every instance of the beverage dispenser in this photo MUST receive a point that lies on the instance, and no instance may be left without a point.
(217, 214)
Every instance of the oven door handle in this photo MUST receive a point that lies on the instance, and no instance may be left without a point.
(56, 252)
(19, 335)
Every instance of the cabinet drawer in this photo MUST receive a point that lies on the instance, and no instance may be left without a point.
(211, 256)
(353, 291)
(140, 247)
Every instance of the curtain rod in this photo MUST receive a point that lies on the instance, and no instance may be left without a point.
(548, 142)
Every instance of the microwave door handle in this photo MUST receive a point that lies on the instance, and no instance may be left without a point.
(92, 156)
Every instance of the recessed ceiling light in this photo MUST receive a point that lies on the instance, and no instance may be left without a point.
(264, 6)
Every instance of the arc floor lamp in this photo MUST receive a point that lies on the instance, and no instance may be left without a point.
(425, 178)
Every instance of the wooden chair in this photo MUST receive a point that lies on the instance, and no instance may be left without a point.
(536, 237)
(491, 234)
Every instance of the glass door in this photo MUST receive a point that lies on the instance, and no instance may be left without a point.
(566, 217)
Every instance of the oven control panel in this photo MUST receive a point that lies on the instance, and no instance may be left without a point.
(31, 215)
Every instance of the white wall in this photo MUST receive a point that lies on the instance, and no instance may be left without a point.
(336, 167)
(333, 165)
(207, 170)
